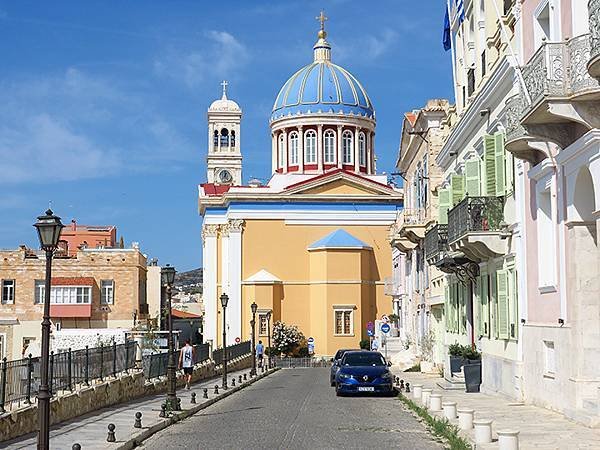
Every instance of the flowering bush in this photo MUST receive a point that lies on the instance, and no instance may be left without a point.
(287, 338)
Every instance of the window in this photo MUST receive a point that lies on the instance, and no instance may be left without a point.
(8, 292)
(27, 341)
(343, 322)
(470, 81)
(329, 138)
(224, 137)
(347, 150)
(107, 289)
(549, 359)
(545, 236)
(310, 147)
(362, 149)
(70, 295)
(216, 138)
(232, 138)
(40, 290)
(263, 325)
(281, 149)
(293, 156)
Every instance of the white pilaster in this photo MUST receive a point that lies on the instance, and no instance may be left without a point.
(285, 151)
(356, 159)
(300, 149)
(320, 147)
(274, 151)
(339, 146)
(234, 307)
(209, 265)
(369, 153)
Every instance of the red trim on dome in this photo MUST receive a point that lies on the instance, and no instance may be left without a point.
(215, 189)
(334, 172)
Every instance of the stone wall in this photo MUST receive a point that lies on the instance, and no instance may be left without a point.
(111, 392)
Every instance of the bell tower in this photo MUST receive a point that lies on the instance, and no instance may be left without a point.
(224, 160)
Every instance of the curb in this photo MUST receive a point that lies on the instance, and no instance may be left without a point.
(137, 440)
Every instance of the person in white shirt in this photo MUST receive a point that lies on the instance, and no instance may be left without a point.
(186, 361)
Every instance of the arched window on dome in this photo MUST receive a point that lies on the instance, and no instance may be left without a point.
(310, 147)
(232, 138)
(216, 138)
(293, 156)
(362, 149)
(281, 149)
(224, 137)
(347, 148)
(329, 150)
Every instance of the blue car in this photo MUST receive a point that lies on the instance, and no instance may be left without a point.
(364, 372)
(335, 363)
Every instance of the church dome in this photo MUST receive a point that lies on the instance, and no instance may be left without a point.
(322, 87)
(224, 104)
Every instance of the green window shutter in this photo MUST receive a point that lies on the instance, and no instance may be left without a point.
(513, 305)
(454, 308)
(502, 300)
(510, 173)
(457, 185)
(485, 305)
(477, 301)
(489, 160)
(447, 306)
(500, 164)
(473, 184)
(444, 205)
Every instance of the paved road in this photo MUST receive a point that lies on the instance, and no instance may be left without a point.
(296, 409)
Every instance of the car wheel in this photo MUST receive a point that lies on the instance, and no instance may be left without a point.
(337, 391)
(332, 383)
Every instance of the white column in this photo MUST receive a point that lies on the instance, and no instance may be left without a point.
(234, 307)
(285, 151)
(274, 150)
(356, 159)
(300, 149)
(339, 146)
(373, 159)
(320, 148)
(209, 265)
(218, 138)
(224, 233)
(369, 153)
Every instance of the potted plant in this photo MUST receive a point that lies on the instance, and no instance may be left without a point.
(456, 357)
(472, 370)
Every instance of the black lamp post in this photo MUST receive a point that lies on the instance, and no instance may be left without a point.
(48, 227)
(168, 278)
(191, 332)
(269, 338)
(253, 307)
(224, 300)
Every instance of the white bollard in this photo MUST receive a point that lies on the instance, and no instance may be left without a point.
(449, 410)
(465, 418)
(483, 431)
(435, 402)
(508, 440)
(425, 397)
(417, 391)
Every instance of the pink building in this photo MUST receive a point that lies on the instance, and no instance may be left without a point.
(74, 236)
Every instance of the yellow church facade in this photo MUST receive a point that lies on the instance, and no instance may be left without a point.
(311, 245)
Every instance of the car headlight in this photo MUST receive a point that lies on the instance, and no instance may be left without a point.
(344, 376)
(387, 376)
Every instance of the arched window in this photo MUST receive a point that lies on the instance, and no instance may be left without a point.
(347, 148)
(310, 147)
(362, 149)
(232, 138)
(216, 138)
(281, 149)
(329, 142)
(293, 156)
(224, 137)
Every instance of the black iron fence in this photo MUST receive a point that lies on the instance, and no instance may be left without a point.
(436, 241)
(20, 379)
(475, 214)
(155, 364)
(233, 351)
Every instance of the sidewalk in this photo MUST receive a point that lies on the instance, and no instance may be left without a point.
(539, 428)
(91, 430)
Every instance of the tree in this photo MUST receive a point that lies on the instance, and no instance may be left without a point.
(287, 338)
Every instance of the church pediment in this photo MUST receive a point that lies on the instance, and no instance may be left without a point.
(339, 183)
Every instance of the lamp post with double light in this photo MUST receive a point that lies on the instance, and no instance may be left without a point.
(269, 338)
(48, 227)
(168, 279)
(224, 300)
(254, 308)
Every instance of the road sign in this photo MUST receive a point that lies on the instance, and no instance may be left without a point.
(370, 332)
(310, 340)
(385, 328)
(370, 326)
(311, 345)
(237, 340)
(385, 318)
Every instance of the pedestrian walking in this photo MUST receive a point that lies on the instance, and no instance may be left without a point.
(374, 345)
(186, 361)
(260, 351)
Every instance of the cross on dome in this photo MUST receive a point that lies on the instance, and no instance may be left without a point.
(322, 18)
(224, 83)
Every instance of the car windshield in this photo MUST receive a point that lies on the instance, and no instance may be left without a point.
(339, 354)
(363, 359)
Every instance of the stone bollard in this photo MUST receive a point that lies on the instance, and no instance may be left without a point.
(245, 377)
(240, 381)
(233, 382)
(407, 387)
(508, 440)
(425, 393)
(397, 381)
(178, 407)
(401, 385)
(111, 433)
(449, 410)
(465, 418)
(76, 447)
(435, 402)
(193, 401)
(216, 389)
(483, 431)
(163, 410)
(417, 391)
(138, 420)
(205, 393)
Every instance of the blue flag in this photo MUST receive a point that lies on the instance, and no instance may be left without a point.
(447, 39)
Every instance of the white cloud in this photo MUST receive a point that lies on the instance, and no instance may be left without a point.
(368, 46)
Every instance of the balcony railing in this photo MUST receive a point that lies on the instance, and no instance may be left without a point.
(594, 15)
(392, 286)
(475, 214)
(436, 241)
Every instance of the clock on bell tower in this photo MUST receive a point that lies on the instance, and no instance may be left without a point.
(224, 160)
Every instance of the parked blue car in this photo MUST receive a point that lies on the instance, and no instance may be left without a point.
(364, 372)
(335, 363)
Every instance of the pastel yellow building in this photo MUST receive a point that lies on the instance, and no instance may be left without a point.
(311, 245)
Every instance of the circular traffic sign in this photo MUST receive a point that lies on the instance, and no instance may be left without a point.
(237, 340)
(310, 340)
(385, 328)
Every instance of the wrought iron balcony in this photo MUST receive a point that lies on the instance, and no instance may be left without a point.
(476, 228)
(593, 65)
(436, 242)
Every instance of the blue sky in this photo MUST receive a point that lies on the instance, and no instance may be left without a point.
(103, 104)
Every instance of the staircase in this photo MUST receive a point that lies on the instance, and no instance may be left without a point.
(398, 354)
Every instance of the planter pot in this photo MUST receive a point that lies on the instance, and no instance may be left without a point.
(472, 377)
(473, 361)
(456, 363)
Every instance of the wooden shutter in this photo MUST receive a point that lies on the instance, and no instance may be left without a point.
(462, 297)
(513, 305)
(454, 309)
(444, 205)
(489, 159)
(502, 300)
(457, 184)
(500, 164)
(473, 184)
(476, 288)
(485, 305)
(447, 306)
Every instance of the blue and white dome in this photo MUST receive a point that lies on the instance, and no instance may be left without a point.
(322, 87)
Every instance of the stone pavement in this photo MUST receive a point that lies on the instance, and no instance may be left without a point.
(91, 430)
(540, 429)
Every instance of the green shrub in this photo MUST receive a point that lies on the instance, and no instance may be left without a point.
(469, 352)
(365, 344)
(415, 368)
(455, 349)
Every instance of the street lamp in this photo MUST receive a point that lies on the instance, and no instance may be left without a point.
(167, 275)
(48, 227)
(224, 300)
(253, 307)
(269, 338)
(191, 332)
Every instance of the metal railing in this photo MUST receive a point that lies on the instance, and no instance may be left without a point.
(475, 214)
(20, 379)
(594, 16)
(155, 364)
(292, 363)
(233, 351)
(436, 241)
